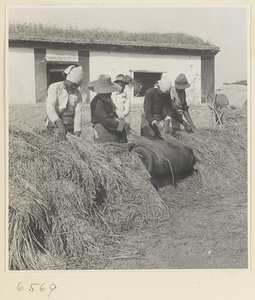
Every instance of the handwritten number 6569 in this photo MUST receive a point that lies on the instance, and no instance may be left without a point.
(52, 287)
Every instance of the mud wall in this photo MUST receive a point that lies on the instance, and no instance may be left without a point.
(114, 63)
(21, 76)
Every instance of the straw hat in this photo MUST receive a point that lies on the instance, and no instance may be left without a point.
(121, 78)
(181, 82)
(75, 75)
(103, 85)
(165, 84)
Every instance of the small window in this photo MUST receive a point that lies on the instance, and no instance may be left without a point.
(55, 72)
(147, 80)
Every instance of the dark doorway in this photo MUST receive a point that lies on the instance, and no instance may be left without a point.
(55, 71)
(147, 80)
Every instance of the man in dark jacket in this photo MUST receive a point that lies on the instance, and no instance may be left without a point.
(157, 109)
(107, 126)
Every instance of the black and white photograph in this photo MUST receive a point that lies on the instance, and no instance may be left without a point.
(128, 137)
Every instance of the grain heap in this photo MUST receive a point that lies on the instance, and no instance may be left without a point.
(209, 210)
(70, 201)
(221, 153)
(221, 159)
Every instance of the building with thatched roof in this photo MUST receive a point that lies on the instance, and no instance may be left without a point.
(38, 54)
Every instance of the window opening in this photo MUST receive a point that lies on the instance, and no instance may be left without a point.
(55, 71)
(147, 80)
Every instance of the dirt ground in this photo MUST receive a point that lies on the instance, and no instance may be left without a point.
(204, 230)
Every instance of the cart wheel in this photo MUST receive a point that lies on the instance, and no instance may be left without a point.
(145, 157)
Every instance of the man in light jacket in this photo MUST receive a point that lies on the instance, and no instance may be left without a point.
(179, 103)
(64, 104)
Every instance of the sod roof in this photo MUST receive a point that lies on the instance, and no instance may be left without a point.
(101, 37)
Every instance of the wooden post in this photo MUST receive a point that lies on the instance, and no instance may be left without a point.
(83, 59)
(40, 75)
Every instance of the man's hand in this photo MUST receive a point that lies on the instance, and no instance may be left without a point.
(167, 130)
(157, 124)
(156, 128)
(61, 130)
(188, 128)
(167, 126)
(77, 133)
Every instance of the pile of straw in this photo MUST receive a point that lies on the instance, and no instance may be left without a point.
(221, 154)
(69, 201)
(208, 210)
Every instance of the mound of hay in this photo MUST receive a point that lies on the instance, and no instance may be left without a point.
(221, 154)
(70, 201)
(208, 210)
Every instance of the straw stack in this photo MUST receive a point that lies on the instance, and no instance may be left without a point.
(221, 153)
(69, 201)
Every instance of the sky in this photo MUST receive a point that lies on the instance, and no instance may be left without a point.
(224, 26)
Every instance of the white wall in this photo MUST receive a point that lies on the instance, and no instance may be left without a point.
(21, 76)
(113, 63)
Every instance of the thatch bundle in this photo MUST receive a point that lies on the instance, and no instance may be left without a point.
(69, 201)
(221, 154)
(209, 210)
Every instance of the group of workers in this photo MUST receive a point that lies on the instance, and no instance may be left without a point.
(164, 107)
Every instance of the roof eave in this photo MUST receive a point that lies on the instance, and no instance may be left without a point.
(92, 46)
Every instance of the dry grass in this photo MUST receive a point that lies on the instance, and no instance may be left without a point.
(69, 200)
(31, 31)
(205, 225)
(208, 210)
(208, 223)
(222, 153)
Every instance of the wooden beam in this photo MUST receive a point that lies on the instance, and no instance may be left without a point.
(83, 60)
(40, 75)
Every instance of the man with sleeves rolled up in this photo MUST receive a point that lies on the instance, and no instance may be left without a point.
(64, 104)
(179, 103)
(158, 111)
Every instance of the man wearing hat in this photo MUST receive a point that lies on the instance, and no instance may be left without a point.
(178, 96)
(157, 108)
(106, 123)
(121, 99)
(64, 104)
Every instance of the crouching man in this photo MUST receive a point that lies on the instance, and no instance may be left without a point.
(64, 104)
(179, 103)
(158, 111)
(107, 126)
